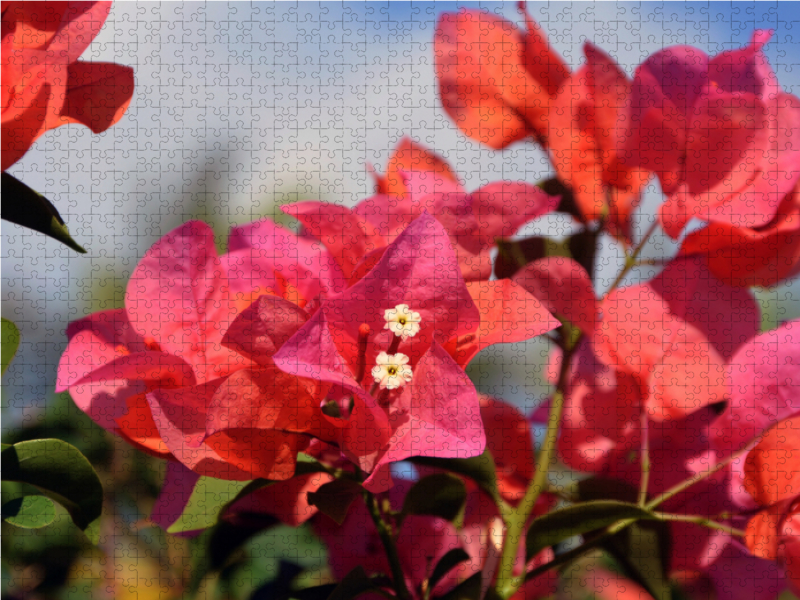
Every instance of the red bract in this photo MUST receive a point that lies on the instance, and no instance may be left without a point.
(565, 289)
(673, 335)
(436, 413)
(587, 122)
(496, 81)
(410, 157)
(718, 132)
(748, 257)
(44, 85)
(163, 374)
(474, 221)
(762, 390)
(772, 477)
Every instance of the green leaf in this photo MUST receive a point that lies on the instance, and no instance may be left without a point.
(63, 474)
(643, 550)
(9, 342)
(447, 563)
(469, 589)
(24, 206)
(335, 498)
(513, 255)
(355, 583)
(564, 523)
(209, 499)
(478, 468)
(601, 488)
(439, 495)
(30, 512)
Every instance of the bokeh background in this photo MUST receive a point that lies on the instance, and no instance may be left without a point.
(240, 108)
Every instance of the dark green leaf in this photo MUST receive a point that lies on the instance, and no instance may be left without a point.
(564, 523)
(513, 255)
(567, 204)
(600, 488)
(478, 468)
(227, 537)
(643, 550)
(31, 512)
(353, 585)
(9, 342)
(469, 589)
(63, 474)
(209, 498)
(24, 206)
(334, 498)
(318, 592)
(439, 495)
(280, 588)
(582, 247)
(447, 563)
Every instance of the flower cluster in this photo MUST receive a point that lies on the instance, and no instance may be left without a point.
(314, 363)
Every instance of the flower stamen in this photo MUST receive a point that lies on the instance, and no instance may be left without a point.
(402, 321)
(391, 371)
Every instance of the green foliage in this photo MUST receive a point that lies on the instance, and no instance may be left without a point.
(564, 523)
(439, 495)
(480, 469)
(335, 498)
(209, 498)
(29, 512)
(60, 472)
(24, 206)
(9, 343)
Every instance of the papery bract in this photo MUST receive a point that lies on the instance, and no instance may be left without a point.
(44, 85)
(410, 157)
(496, 81)
(674, 333)
(761, 379)
(587, 121)
(437, 414)
(565, 289)
(161, 373)
(714, 130)
(747, 257)
(474, 221)
(772, 478)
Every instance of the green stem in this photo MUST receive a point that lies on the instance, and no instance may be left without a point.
(699, 520)
(687, 483)
(515, 518)
(630, 261)
(645, 458)
(389, 547)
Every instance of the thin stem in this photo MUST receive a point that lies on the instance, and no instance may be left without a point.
(389, 547)
(687, 483)
(700, 520)
(630, 261)
(516, 518)
(571, 555)
(645, 458)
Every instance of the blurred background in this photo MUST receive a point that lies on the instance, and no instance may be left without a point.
(238, 109)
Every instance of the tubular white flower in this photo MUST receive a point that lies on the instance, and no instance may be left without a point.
(402, 321)
(391, 370)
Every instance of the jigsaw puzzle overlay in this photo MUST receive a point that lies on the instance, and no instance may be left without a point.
(400, 300)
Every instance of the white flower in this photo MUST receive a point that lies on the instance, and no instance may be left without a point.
(391, 371)
(402, 321)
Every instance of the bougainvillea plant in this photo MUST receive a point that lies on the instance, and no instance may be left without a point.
(322, 377)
